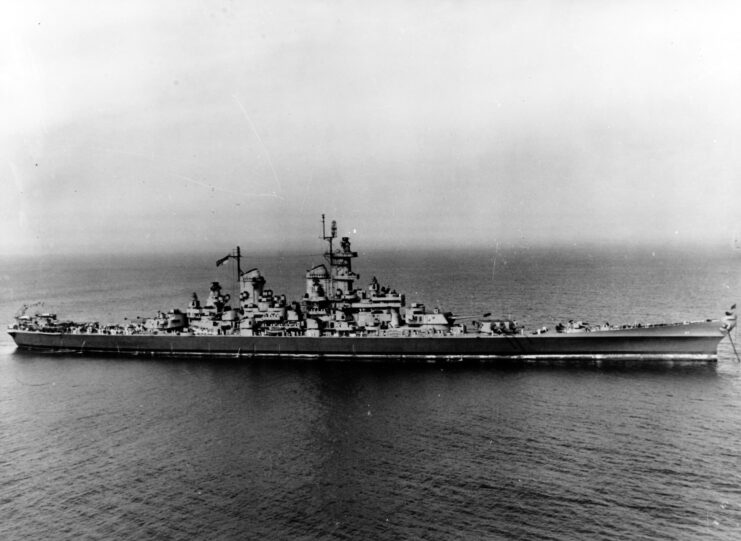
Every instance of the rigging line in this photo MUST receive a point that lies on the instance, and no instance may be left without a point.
(212, 187)
(285, 256)
(262, 143)
(738, 360)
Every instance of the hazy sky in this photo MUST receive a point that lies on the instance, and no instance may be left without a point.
(169, 125)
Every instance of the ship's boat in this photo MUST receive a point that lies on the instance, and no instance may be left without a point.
(337, 320)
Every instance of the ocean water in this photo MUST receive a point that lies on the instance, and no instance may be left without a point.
(105, 448)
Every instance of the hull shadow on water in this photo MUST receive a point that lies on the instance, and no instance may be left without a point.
(388, 366)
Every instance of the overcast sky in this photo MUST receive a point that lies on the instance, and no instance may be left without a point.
(175, 125)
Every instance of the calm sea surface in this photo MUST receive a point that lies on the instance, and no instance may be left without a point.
(105, 448)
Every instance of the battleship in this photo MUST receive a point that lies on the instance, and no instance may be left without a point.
(337, 320)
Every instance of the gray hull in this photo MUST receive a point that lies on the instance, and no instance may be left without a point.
(691, 341)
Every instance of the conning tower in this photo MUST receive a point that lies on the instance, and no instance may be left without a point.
(251, 287)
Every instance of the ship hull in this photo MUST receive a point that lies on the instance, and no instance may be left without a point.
(692, 341)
